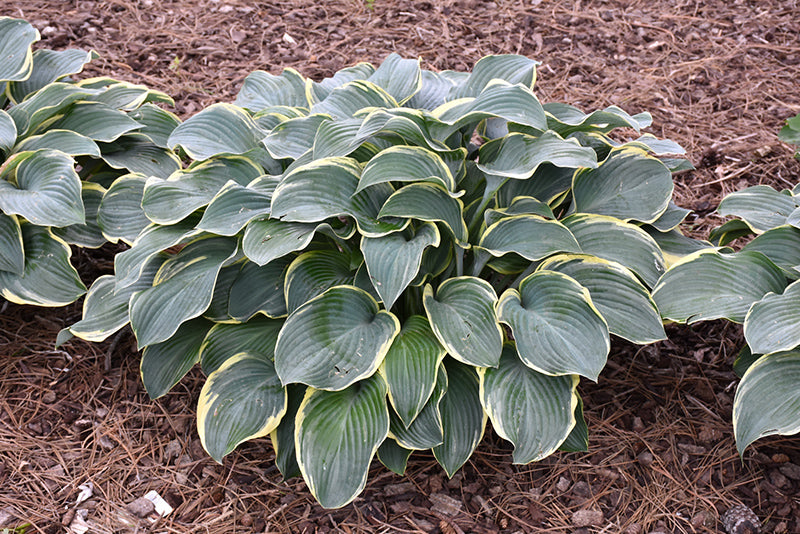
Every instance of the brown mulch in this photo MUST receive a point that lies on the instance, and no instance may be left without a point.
(719, 77)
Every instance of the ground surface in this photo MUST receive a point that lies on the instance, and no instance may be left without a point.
(718, 76)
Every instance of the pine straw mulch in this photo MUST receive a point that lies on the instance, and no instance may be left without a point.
(718, 76)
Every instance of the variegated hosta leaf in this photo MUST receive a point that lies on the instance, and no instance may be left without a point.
(782, 246)
(400, 126)
(218, 129)
(169, 201)
(426, 430)
(136, 153)
(336, 436)
(294, 137)
(519, 155)
(345, 101)
(531, 236)
(767, 400)
(674, 245)
(629, 185)
(256, 337)
(435, 88)
(65, 141)
(157, 124)
(393, 456)
(12, 256)
(671, 218)
(566, 119)
(406, 164)
(334, 339)
(617, 294)
(240, 401)
(16, 38)
(48, 66)
(462, 317)
(44, 107)
(182, 289)
(105, 309)
(360, 71)
(557, 329)
(730, 231)
(164, 364)
(266, 240)
(760, 206)
(712, 285)
(336, 138)
(96, 121)
(500, 100)
(394, 260)
(236, 205)
(410, 367)
(262, 90)
(427, 202)
(283, 436)
(88, 234)
(548, 184)
(8, 133)
(128, 264)
(508, 67)
(519, 206)
(43, 187)
(463, 418)
(399, 77)
(326, 188)
(258, 289)
(578, 439)
(611, 239)
(49, 279)
(120, 215)
(773, 323)
(533, 411)
(314, 272)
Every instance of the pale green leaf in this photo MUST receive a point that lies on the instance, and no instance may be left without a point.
(406, 164)
(12, 256)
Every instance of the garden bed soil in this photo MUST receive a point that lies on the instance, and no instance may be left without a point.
(719, 77)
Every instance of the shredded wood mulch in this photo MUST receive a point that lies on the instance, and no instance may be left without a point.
(81, 443)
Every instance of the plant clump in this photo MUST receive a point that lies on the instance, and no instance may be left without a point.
(381, 261)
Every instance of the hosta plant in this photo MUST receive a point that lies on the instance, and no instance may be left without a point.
(62, 144)
(382, 260)
(790, 133)
(757, 286)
